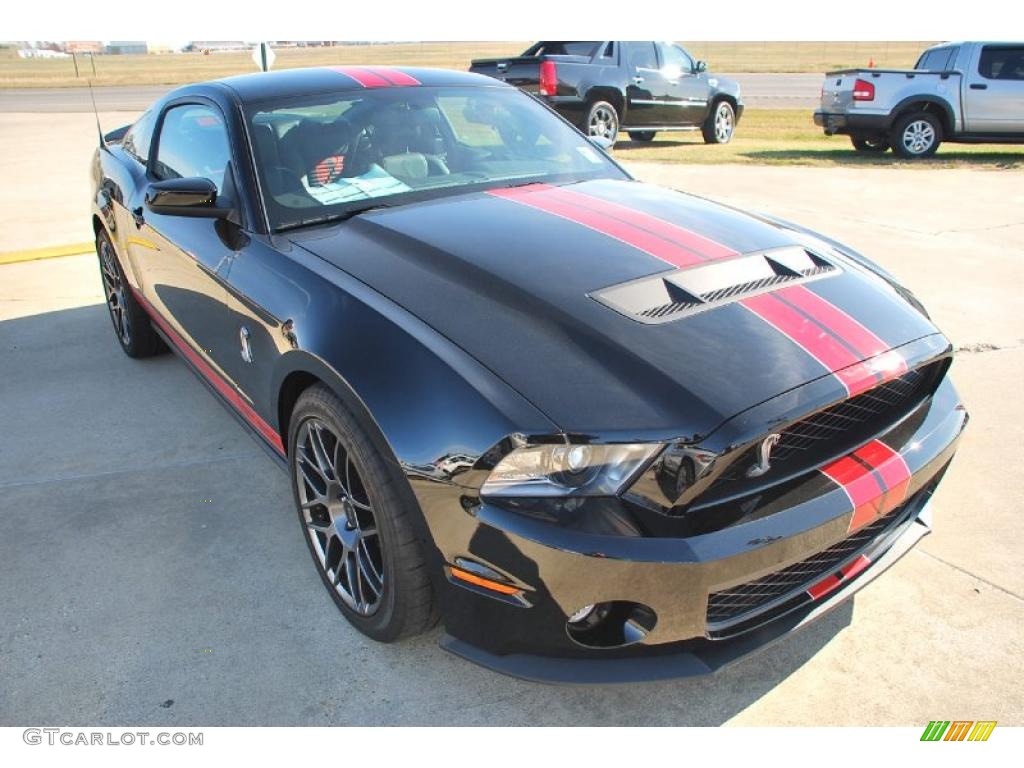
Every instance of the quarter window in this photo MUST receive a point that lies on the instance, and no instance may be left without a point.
(193, 143)
(136, 140)
(1001, 63)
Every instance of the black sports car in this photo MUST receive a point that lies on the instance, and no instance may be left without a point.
(602, 430)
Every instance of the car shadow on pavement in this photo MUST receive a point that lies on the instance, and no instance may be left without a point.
(153, 571)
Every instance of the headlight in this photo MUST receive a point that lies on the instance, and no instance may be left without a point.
(567, 470)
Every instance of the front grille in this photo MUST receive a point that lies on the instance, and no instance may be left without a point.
(833, 431)
(732, 604)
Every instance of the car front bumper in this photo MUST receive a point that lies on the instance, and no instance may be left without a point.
(593, 554)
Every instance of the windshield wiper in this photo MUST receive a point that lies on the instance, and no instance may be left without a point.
(331, 218)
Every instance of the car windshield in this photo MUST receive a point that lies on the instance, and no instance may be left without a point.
(326, 156)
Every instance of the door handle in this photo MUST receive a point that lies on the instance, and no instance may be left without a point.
(139, 218)
(978, 86)
(637, 79)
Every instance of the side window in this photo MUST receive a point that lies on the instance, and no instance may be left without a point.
(609, 51)
(642, 55)
(193, 142)
(136, 141)
(1001, 63)
(674, 61)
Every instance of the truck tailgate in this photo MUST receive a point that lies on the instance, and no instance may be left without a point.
(520, 71)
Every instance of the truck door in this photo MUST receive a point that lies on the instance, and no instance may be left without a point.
(688, 90)
(994, 90)
(647, 89)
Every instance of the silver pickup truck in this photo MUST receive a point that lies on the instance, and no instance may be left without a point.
(962, 92)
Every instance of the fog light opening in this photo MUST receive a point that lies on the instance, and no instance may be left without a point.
(611, 625)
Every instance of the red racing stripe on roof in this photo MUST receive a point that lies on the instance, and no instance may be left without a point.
(395, 76)
(363, 76)
(536, 196)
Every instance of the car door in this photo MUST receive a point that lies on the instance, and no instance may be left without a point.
(647, 90)
(181, 259)
(688, 90)
(994, 92)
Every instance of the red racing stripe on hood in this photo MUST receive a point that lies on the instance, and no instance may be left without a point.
(537, 196)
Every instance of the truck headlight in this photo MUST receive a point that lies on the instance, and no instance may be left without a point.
(568, 470)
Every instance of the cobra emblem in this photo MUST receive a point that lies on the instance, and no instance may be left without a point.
(763, 463)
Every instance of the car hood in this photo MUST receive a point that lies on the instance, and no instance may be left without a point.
(548, 286)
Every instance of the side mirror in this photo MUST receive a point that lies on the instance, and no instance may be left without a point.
(701, 66)
(602, 142)
(195, 197)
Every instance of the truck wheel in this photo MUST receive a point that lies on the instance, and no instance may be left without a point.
(642, 135)
(602, 120)
(718, 127)
(869, 144)
(916, 135)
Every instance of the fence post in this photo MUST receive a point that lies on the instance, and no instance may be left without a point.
(74, 60)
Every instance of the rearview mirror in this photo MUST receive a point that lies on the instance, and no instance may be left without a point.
(702, 66)
(185, 197)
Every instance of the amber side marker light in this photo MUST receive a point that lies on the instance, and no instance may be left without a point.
(480, 581)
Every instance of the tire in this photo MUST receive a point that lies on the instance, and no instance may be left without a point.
(720, 124)
(132, 327)
(916, 135)
(602, 120)
(642, 135)
(388, 595)
(869, 144)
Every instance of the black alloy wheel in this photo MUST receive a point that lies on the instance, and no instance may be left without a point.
(131, 323)
(359, 519)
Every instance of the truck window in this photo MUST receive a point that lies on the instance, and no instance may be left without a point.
(937, 59)
(1001, 62)
(674, 60)
(642, 55)
(609, 51)
(566, 48)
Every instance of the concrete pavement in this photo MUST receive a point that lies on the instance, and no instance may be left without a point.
(764, 90)
(152, 570)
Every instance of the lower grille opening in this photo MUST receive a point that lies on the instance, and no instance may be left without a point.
(746, 606)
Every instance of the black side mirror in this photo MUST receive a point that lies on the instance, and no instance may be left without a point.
(701, 66)
(195, 197)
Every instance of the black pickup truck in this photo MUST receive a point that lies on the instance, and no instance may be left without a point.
(638, 87)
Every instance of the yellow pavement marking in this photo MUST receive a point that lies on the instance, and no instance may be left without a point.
(51, 252)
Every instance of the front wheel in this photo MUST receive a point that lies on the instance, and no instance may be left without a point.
(602, 120)
(916, 135)
(356, 517)
(131, 323)
(642, 135)
(869, 144)
(720, 124)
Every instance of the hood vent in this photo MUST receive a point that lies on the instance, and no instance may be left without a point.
(674, 295)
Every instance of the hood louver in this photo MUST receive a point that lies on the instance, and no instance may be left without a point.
(674, 295)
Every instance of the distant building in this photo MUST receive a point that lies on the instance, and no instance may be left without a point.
(126, 46)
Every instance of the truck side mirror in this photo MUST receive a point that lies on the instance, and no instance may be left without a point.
(701, 66)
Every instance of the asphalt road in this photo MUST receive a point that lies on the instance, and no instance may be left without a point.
(153, 572)
(771, 91)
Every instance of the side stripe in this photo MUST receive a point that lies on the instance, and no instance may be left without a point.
(875, 479)
(226, 390)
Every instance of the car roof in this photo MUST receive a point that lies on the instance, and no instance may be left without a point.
(260, 86)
